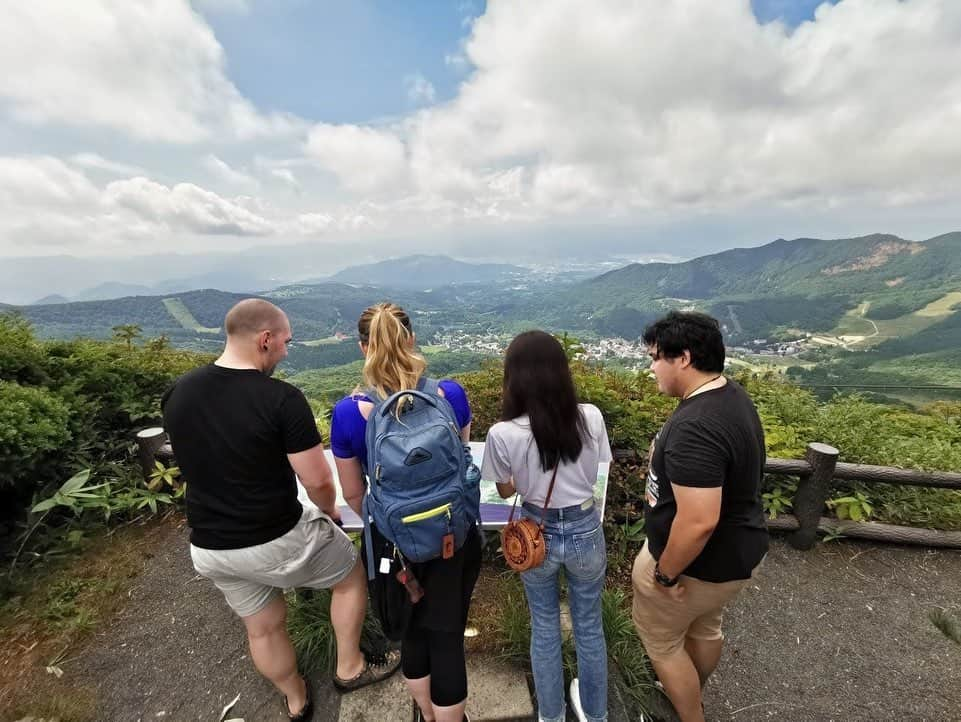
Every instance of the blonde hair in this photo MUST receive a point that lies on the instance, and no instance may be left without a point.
(391, 364)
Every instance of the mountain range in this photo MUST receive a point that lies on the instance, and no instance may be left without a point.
(877, 292)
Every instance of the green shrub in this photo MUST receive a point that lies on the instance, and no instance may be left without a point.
(21, 356)
(34, 427)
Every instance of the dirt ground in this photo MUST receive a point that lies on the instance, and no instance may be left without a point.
(842, 633)
(838, 633)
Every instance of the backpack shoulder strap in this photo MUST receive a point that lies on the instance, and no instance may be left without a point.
(429, 386)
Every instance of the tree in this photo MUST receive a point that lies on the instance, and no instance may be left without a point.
(161, 343)
(126, 332)
(573, 348)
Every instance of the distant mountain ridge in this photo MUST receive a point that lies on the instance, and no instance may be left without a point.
(807, 284)
(801, 266)
(422, 272)
(802, 286)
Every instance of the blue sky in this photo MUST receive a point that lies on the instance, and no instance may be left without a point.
(490, 129)
(343, 62)
(791, 12)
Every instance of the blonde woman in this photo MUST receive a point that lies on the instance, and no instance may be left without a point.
(432, 648)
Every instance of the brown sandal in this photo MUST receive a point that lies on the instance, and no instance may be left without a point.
(307, 711)
(370, 674)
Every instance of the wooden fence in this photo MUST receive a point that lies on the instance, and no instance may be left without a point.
(815, 472)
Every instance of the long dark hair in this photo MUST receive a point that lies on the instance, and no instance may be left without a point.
(537, 382)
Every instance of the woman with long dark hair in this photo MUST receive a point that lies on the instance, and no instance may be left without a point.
(432, 648)
(545, 434)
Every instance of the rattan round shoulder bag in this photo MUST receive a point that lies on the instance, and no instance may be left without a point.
(522, 541)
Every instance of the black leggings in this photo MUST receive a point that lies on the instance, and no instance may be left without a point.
(440, 655)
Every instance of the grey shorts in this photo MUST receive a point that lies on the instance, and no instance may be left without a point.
(315, 554)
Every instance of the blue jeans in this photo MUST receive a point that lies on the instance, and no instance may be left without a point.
(575, 543)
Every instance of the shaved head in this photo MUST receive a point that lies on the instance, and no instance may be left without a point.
(253, 315)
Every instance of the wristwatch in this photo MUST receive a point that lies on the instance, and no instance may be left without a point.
(662, 578)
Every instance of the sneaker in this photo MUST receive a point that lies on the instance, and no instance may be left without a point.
(576, 701)
(372, 672)
(307, 711)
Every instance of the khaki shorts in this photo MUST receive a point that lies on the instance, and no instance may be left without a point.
(663, 623)
(315, 554)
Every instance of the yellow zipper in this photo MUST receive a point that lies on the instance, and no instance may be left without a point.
(430, 513)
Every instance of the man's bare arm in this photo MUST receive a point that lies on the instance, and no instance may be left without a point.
(698, 511)
(314, 473)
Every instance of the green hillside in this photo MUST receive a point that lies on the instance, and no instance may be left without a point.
(806, 284)
(895, 297)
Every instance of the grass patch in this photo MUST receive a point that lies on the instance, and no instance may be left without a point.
(182, 315)
(948, 624)
(943, 306)
(328, 341)
(52, 610)
(624, 648)
(308, 623)
(56, 703)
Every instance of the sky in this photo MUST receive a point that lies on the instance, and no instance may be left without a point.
(488, 130)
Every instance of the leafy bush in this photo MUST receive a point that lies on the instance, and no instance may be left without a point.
(21, 356)
(34, 426)
(66, 405)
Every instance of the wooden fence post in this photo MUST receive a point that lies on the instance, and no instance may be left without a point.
(148, 442)
(812, 492)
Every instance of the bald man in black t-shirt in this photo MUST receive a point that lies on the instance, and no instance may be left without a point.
(239, 437)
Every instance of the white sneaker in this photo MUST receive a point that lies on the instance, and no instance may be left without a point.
(576, 701)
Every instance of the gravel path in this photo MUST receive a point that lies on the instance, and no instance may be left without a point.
(176, 652)
(842, 633)
(837, 633)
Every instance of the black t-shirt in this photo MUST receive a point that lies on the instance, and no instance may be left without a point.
(231, 431)
(712, 439)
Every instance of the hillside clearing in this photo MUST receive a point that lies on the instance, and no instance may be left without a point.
(182, 315)
(942, 307)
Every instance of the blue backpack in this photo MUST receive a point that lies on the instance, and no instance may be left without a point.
(420, 494)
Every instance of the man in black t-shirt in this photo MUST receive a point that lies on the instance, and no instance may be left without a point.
(239, 437)
(706, 532)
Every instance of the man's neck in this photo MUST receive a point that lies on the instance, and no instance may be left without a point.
(230, 359)
(703, 382)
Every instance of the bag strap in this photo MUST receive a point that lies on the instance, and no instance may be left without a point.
(425, 384)
(550, 490)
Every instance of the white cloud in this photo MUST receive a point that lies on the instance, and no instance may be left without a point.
(614, 108)
(47, 203)
(36, 183)
(458, 61)
(363, 159)
(569, 112)
(286, 175)
(419, 89)
(150, 69)
(185, 206)
(98, 162)
(222, 171)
